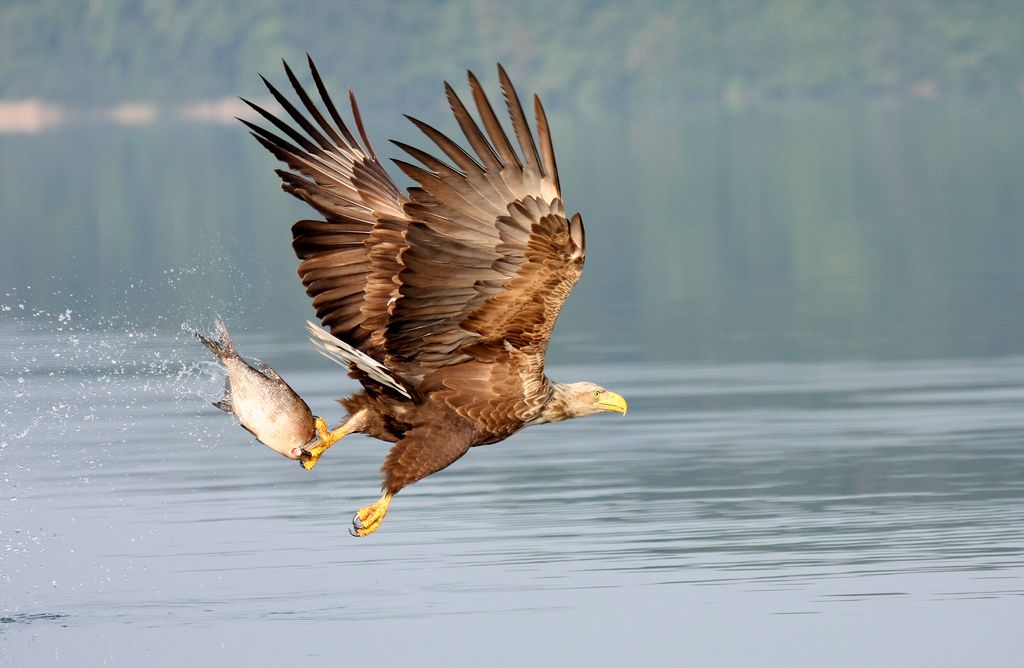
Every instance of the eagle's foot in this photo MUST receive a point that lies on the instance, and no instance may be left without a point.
(310, 455)
(369, 518)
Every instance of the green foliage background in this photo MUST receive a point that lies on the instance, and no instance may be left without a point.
(589, 53)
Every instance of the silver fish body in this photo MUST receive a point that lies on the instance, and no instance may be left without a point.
(261, 400)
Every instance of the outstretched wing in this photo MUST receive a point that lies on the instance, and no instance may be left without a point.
(479, 258)
(491, 256)
(349, 257)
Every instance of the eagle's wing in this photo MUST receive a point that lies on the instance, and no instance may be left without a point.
(480, 257)
(349, 257)
(490, 256)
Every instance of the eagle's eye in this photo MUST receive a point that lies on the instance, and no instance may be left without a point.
(597, 393)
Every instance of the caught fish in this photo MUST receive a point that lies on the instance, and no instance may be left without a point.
(263, 403)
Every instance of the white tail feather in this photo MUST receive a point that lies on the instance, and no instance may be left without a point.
(334, 348)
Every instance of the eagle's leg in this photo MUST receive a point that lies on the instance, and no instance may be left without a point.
(369, 518)
(423, 450)
(310, 455)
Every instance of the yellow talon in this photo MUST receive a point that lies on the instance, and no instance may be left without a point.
(369, 518)
(311, 455)
(321, 427)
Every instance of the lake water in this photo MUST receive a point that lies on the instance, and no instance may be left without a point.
(815, 315)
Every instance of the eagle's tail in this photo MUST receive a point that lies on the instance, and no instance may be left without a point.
(334, 348)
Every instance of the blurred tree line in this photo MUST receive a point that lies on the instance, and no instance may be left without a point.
(581, 53)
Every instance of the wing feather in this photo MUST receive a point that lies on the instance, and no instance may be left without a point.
(547, 149)
(494, 234)
(519, 124)
(494, 130)
(350, 255)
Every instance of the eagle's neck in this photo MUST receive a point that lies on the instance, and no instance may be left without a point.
(557, 406)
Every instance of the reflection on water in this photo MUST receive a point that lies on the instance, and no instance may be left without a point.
(789, 487)
(810, 233)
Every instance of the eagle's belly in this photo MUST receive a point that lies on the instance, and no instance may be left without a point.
(490, 437)
(390, 419)
(494, 419)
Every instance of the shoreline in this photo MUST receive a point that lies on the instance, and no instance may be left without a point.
(31, 115)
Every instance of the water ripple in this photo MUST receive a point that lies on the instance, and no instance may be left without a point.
(838, 482)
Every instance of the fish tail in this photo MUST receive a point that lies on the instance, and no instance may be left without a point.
(222, 347)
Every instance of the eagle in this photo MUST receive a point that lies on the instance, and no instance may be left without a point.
(439, 301)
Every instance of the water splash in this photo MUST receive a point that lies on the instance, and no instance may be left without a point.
(79, 389)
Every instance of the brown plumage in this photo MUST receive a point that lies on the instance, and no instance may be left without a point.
(442, 301)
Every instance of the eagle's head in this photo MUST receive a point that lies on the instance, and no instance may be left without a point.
(572, 400)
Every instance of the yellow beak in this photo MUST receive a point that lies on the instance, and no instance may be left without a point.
(610, 401)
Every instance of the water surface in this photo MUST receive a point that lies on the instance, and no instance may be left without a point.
(815, 316)
(840, 499)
